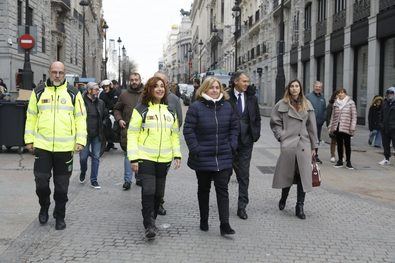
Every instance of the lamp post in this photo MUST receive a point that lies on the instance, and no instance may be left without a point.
(83, 3)
(123, 85)
(237, 13)
(105, 27)
(189, 64)
(280, 78)
(27, 73)
(200, 55)
(119, 60)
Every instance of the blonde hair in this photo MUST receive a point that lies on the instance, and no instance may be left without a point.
(206, 85)
(301, 97)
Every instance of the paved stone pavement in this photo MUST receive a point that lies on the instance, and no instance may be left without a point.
(106, 225)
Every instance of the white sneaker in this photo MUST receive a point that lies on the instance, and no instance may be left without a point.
(333, 159)
(384, 162)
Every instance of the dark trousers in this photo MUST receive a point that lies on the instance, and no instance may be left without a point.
(387, 137)
(221, 180)
(241, 165)
(153, 179)
(343, 139)
(61, 164)
(300, 194)
(319, 130)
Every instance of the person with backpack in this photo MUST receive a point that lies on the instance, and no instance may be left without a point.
(55, 128)
(96, 114)
(153, 143)
(123, 110)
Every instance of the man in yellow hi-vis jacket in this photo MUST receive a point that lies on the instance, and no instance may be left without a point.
(55, 128)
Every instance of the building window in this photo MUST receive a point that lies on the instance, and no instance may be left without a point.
(338, 62)
(295, 25)
(307, 17)
(222, 11)
(361, 82)
(389, 64)
(43, 48)
(29, 16)
(321, 69)
(340, 5)
(321, 10)
(19, 13)
(306, 76)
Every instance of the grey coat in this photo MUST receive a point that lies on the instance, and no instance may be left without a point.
(297, 134)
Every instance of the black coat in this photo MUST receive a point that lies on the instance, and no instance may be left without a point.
(388, 116)
(374, 118)
(211, 131)
(253, 111)
(102, 114)
(110, 99)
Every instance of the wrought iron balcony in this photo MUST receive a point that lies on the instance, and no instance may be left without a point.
(386, 4)
(361, 10)
(339, 20)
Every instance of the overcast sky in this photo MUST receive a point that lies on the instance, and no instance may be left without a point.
(143, 26)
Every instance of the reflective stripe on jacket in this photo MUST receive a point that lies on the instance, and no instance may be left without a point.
(157, 139)
(53, 123)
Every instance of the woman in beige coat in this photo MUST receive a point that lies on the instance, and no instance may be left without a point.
(294, 126)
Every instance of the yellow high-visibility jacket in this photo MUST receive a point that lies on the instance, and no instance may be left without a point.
(153, 134)
(53, 123)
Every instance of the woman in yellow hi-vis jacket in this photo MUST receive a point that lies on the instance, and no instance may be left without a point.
(153, 143)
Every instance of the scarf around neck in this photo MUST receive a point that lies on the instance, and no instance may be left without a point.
(341, 103)
(208, 98)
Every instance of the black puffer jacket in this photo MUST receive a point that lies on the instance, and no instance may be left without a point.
(95, 126)
(388, 116)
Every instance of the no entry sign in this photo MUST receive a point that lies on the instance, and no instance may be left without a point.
(26, 41)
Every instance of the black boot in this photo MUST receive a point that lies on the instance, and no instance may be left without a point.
(43, 215)
(150, 232)
(226, 229)
(60, 224)
(299, 212)
(284, 196)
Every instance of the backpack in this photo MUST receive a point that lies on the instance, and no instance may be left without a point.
(70, 89)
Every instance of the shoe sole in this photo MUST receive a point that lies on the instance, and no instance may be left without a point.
(350, 168)
(96, 187)
(338, 166)
(81, 182)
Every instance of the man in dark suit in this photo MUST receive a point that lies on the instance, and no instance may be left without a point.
(245, 103)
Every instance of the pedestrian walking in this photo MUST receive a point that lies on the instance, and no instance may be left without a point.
(153, 143)
(211, 133)
(328, 120)
(374, 119)
(294, 125)
(245, 103)
(174, 105)
(123, 110)
(55, 128)
(316, 98)
(343, 124)
(96, 113)
(110, 96)
(196, 85)
(388, 124)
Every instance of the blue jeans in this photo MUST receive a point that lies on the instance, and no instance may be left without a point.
(91, 149)
(128, 174)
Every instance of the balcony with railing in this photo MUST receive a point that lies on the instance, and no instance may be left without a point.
(339, 20)
(63, 4)
(361, 10)
(386, 4)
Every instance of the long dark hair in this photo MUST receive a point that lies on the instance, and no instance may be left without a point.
(301, 99)
(148, 91)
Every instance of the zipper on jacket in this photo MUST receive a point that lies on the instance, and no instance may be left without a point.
(160, 141)
(71, 125)
(216, 135)
(54, 118)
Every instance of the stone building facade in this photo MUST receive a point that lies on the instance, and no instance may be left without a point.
(59, 27)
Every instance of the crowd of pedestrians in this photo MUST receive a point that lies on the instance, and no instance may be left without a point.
(221, 127)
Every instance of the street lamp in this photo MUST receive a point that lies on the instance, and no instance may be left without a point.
(123, 85)
(105, 27)
(237, 14)
(83, 3)
(200, 55)
(280, 78)
(119, 60)
(189, 64)
(27, 73)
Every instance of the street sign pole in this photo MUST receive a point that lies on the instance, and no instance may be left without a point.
(27, 73)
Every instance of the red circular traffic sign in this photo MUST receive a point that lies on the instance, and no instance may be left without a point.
(26, 41)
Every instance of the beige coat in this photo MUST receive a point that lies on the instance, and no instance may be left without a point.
(297, 134)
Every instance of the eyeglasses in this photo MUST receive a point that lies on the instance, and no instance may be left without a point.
(57, 72)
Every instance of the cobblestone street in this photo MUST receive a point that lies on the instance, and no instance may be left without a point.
(106, 225)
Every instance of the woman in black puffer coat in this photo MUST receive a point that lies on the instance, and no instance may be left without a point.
(210, 130)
